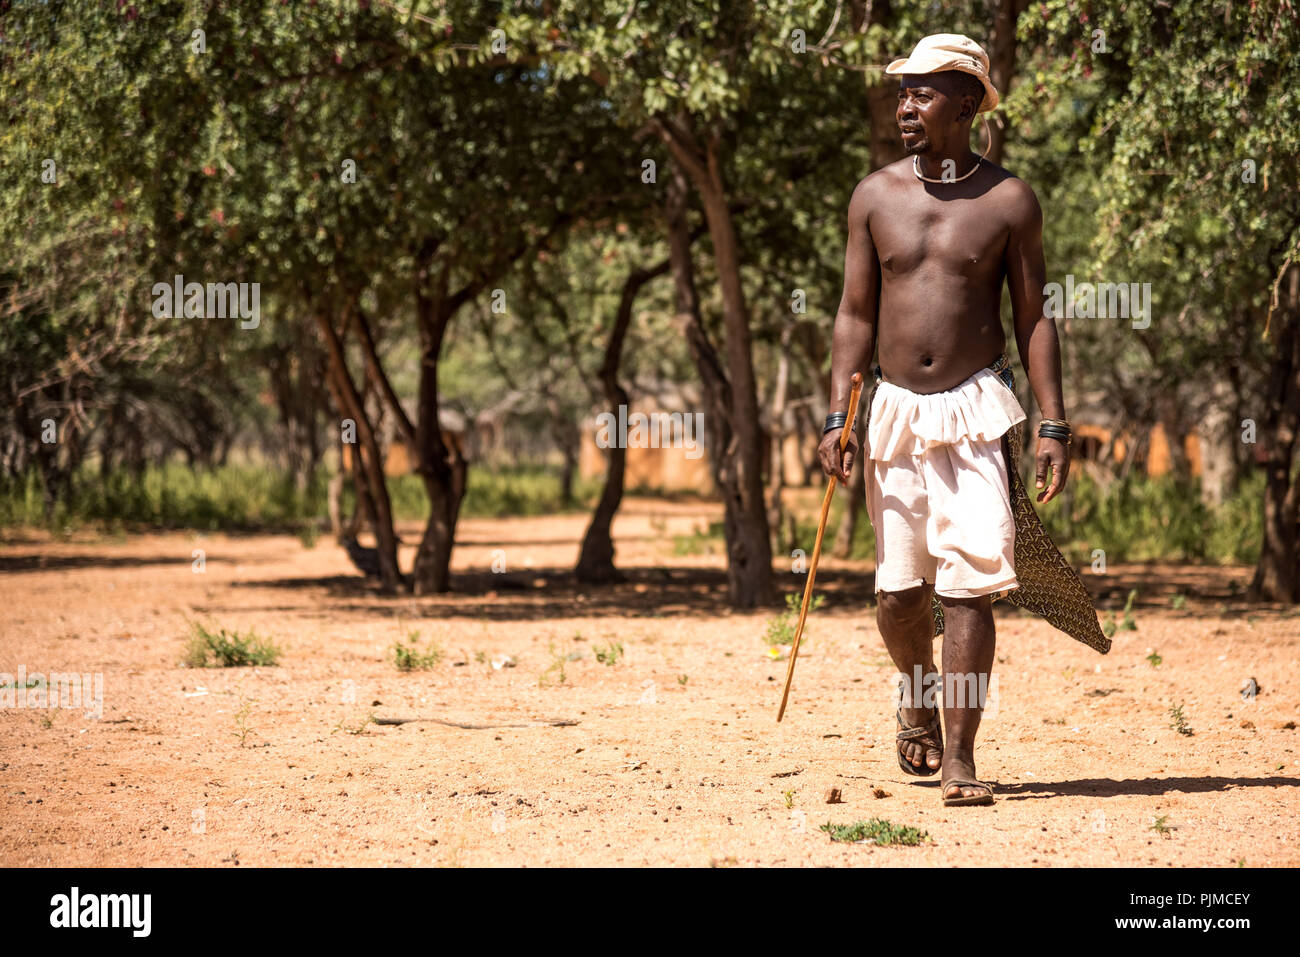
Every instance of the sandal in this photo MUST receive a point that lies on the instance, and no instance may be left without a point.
(974, 800)
(906, 732)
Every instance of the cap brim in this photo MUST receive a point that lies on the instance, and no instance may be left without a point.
(991, 98)
(897, 67)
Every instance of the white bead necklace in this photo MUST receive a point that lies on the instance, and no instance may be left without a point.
(926, 179)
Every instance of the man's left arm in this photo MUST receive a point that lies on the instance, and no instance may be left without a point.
(1036, 338)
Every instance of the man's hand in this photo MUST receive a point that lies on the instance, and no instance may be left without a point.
(834, 462)
(1053, 454)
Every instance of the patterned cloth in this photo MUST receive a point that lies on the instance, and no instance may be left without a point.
(1049, 586)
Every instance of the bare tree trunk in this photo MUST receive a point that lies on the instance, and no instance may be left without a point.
(777, 428)
(371, 463)
(1002, 66)
(1169, 412)
(596, 560)
(1217, 434)
(442, 466)
(1277, 576)
(749, 547)
(743, 587)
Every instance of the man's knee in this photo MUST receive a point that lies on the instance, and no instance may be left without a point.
(980, 604)
(909, 603)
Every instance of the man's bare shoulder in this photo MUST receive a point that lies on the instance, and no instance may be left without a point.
(1015, 196)
(875, 185)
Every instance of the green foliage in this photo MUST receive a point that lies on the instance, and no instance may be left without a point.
(608, 654)
(1110, 626)
(228, 649)
(226, 498)
(410, 658)
(1178, 721)
(780, 630)
(711, 541)
(1154, 519)
(875, 831)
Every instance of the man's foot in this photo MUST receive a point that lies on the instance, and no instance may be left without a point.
(961, 788)
(920, 747)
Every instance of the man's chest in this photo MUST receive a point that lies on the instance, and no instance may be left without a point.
(958, 237)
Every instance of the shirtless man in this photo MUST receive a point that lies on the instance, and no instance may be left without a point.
(924, 268)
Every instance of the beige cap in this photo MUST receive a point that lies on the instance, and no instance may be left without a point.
(950, 51)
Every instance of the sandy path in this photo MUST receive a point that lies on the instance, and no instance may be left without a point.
(675, 757)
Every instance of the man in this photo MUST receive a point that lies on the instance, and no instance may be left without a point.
(930, 239)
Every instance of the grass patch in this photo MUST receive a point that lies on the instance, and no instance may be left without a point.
(227, 498)
(1155, 519)
(1127, 623)
(228, 649)
(608, 654)
(711, 541)
(780, 630)
(875, 831)
(411, 658)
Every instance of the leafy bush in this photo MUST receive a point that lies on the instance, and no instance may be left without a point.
(227, 649)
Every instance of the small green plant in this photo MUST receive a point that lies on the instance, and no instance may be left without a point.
(359, 728)
(709, 541)
(608, 655)
(1179, 721)
(1160, 826)
(682, 679)
(228, 649)
(1178, 602)
(780, 630)
(1154, 659)
(242, 730)
(411, 658)
(789, 798)
(875, 831)
(481, 657)
(1128, 624)
(47, 720)
(554, 675)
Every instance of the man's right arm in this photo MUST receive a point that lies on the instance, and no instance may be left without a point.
(853, 341)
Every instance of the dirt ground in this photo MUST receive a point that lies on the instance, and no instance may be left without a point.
(669, 756)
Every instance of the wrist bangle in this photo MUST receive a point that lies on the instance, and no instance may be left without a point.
(835, 421)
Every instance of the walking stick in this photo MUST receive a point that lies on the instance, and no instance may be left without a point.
(817, 547)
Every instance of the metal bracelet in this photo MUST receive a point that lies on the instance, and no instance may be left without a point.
(835, 421)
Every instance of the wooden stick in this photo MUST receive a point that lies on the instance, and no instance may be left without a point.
(817, 546)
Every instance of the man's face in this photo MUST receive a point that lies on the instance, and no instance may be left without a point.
(929, 107)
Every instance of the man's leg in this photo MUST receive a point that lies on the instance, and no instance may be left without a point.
(907, 627)
(968, 644)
